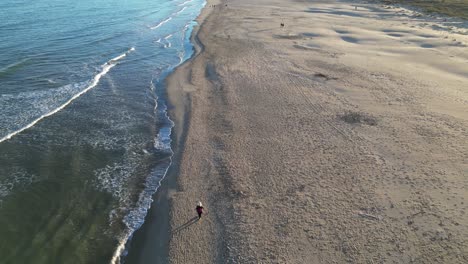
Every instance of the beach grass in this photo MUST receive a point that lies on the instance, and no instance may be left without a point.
(453, 8)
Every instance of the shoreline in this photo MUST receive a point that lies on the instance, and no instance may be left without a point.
(144, 247)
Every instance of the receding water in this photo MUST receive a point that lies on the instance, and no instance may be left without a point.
(84, 134)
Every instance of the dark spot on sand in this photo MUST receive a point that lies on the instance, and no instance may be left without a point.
(210, 73)
(333, 12)
(340, 90)
(457, 44)
(426, 36)
(297, 36)
(395, 31)
(303, 47)
(341, 31)
(322, 76)
(352, 117)
(427, 46)
(252, 18)
(437, 27)
(288, 36)
(395, 34)
(310, 35)
(350, 39)
(217, 143)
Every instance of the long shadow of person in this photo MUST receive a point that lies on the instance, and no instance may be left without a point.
(185, 225)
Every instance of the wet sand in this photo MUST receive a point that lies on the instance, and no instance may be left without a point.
(340, 137)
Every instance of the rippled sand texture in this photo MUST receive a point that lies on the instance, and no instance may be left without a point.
(340, 137)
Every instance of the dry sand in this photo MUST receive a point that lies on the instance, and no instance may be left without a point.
(340, 137)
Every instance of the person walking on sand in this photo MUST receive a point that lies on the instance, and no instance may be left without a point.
(199, 209)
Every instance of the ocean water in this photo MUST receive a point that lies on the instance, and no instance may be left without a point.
(84, 133)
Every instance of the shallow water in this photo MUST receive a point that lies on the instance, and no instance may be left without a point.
(84, 135)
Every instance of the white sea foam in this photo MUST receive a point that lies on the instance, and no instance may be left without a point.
(181, 56)
(169, 18)
(136, 217)
(180, 11)
(104, 70)
(117, 177)
(159, 41)
(185, 2)
(120, 247)
(20, 178)
(169, 44)
(162, 23)
(153, 88)
(162, 141)
(4, 191)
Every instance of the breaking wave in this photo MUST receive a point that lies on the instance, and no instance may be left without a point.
(80, 89)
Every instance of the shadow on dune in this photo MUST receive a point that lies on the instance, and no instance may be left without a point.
(333, 12)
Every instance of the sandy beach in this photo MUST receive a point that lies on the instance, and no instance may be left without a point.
(339, 137)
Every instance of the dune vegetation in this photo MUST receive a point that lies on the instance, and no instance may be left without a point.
(454, 8)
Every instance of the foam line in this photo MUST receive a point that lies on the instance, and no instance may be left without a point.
(120, 248)
(105, 69)
(169, 44)
(136, 217)
(161, 23)
(180, 11)
(184, 3)
(169, 18)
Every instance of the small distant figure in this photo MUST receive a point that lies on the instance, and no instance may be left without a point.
(282, 24)
(199, 209)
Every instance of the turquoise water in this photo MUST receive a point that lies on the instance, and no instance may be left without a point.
(84, 135)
